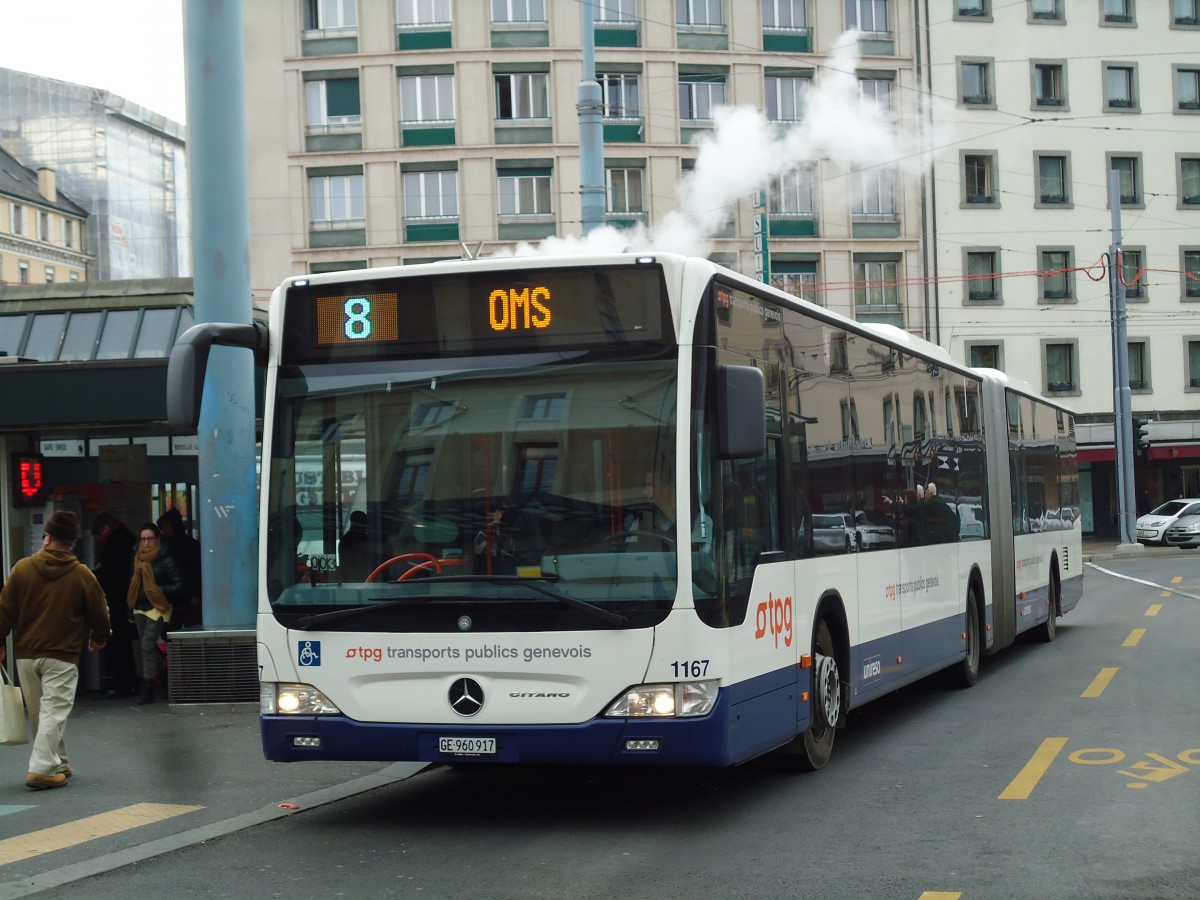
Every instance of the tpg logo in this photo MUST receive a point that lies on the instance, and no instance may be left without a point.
(309, 653)
(774, 616)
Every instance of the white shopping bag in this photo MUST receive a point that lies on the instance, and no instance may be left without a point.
(12, 712)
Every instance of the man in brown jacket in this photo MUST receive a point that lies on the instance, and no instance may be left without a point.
(46, 603)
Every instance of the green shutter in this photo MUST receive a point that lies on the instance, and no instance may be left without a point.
(341, 97)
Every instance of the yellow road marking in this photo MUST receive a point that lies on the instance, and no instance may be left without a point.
(1155, 609)
(1022, 786)
(1134, 636)
(940, 895)
(1177, 579)
(1099, 683)
(60, 837)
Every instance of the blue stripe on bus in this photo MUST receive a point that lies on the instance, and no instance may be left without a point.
(749, 719)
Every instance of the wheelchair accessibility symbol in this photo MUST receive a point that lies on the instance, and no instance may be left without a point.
(309, 653)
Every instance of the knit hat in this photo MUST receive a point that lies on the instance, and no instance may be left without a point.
(63, 526)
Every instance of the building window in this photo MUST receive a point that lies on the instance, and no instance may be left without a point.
(624, 190)
(16, 218)
(1191, 274)
(1139, 366)
(332, 103)
(1132, 274)
(74, 276)
(876, 283)
(979, 170)
(796, 278)
(878, 90)
(1120, 87)
(430, 195)
(426, 98)
(975, 82)
(330, 15)
(1117, 12)
(23, 272)
(43, 220)
(621, 95)
(698, 12)
(1130, 171)
(972, 9)
(518, 12)
(699, 95)
(1048, 85)
(523, 96)
(790, 14)
(984, 356)
(874, 193)
(1061, 373)
(1045, 10)
(1054, 184)
(525, 194)
(423, 12)
(1189, 180)
(337, 201)
(1185, 12)
(49, 274)
(1187, 89)
(1057, 278)
(68, 232)
(982, 276)
(1193, 363)
(785, 96)
(868, 16)
(791, 194)
(624, 11)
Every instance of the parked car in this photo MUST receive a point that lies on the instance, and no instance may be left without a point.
(872, 536)
(834, 533)
(1152, 527)
(1183, 532)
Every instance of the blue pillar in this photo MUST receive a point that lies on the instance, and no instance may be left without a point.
(221, 261)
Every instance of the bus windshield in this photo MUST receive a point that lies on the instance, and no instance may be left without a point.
(517, 492)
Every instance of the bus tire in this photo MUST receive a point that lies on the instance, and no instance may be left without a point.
(1048, 630)
(815, 746)
(966, 673)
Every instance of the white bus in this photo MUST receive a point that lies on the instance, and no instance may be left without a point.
(533, 443)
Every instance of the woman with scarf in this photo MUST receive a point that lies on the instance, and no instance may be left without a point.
(156, 581)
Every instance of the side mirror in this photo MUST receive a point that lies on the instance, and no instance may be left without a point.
(741, 412)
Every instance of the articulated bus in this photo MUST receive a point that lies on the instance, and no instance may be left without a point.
(628, 510)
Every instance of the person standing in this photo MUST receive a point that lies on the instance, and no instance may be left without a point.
(153, 587)
(118, 675)
(185, 550)
(48, 602)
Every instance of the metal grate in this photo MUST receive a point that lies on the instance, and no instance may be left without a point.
(214, 667)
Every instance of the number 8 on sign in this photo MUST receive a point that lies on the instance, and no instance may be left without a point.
(358, 322)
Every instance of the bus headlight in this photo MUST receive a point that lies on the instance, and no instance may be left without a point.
(683, 700)
(293, 700)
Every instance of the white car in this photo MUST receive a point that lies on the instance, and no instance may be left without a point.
(1152, 527)
(834, 533)
(872, 536)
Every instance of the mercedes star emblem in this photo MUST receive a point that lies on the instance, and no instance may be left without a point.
(466, 697)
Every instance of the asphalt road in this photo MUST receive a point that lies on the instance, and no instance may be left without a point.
(1071, 770)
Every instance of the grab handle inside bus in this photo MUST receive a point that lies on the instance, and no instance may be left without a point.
(189, 361)
(742, 416)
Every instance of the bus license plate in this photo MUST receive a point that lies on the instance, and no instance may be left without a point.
(467, 746)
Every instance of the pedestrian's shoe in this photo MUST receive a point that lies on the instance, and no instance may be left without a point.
(147, 692)
(65, 771)
(37, 782)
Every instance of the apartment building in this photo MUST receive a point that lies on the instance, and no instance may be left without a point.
(387, 132)
(41, 229)
(1037, 102)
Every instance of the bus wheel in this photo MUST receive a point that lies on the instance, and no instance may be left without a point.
(1047, 631)
(967, 671)
(817, 742)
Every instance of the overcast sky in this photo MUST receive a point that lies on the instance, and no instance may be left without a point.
(129, 47)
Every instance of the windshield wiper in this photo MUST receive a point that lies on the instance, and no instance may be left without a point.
(612, 618)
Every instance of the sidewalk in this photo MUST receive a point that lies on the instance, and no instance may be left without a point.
(1112, 548)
